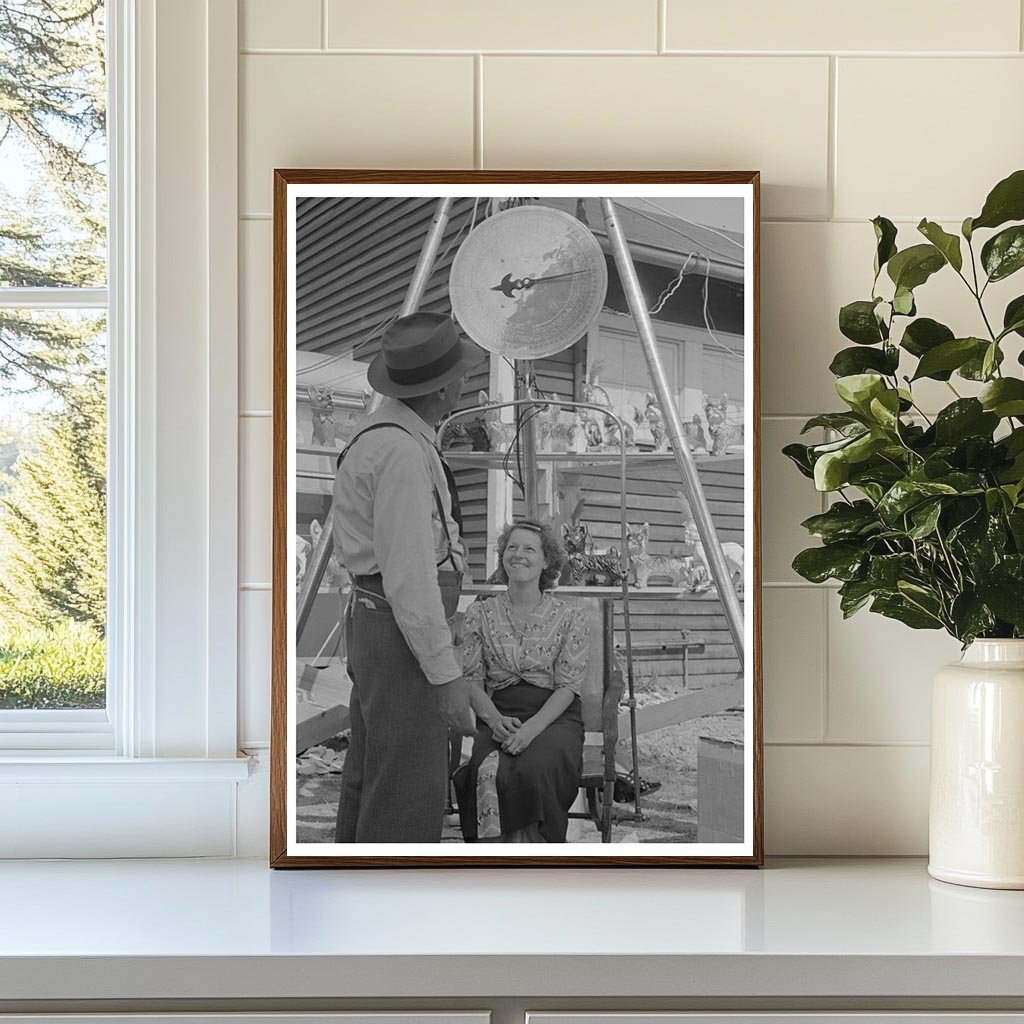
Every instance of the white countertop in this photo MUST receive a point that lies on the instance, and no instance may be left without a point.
(234, 929)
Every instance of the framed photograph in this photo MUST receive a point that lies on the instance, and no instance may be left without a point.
(516, 551)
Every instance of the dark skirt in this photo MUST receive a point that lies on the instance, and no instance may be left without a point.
(537, 786)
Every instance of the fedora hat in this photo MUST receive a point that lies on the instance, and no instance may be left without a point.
(421, 353)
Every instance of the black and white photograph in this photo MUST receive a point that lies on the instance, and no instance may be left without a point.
(516, 565)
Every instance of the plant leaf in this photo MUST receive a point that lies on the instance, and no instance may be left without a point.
(913, 266)
(966, 417)
(831, 471)
(843, 521)
(923, 335)
(898, 608)
(840, 561)
(925, 518)
(949, 355)
(1004, 397)
(1005, 596)
(1003, 254)
(885, 236)
(857, 321)
(947, 244)
(904, 495)
(832, 420)
(1005, 202)
(858, 389)
(885, 409)
(971, 617)
(1013, 317)
(799, 455)
(903, 302)
(854, 595)
(850, 361)
(974, 368)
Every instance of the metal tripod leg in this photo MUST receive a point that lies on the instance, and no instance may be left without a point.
(674, 425)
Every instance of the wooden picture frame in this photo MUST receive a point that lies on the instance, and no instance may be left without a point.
(347, 244)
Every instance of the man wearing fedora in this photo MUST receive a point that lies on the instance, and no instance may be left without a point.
(396, 526)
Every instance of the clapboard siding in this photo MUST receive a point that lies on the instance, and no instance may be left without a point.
(356, 258)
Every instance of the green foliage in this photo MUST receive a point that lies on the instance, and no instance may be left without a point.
(52, 124)
(53, 521)
(927, 526)
(63, 667)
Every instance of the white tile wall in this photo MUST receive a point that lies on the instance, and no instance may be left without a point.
(943, 105)
(471, 25)
(260, 25)
(254, 611)
(254, 489)
(838, 138)
(696, 113)
(873, 25)
(256, 303)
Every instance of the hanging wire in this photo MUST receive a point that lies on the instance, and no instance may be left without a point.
(673, 287)
(700, 242)
(707, 322)
(696, 224)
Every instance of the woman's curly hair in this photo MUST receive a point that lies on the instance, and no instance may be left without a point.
(551, 548)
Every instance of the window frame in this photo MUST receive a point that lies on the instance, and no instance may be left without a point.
(172, 508)
(78, 730)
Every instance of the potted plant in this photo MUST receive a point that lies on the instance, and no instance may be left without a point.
(927, 521)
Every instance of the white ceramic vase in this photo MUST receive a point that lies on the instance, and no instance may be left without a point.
(976, 814)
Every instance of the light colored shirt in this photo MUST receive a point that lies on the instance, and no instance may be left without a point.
(386, 521)
(550, 650)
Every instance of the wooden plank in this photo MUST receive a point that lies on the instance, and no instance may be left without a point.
(692, 704)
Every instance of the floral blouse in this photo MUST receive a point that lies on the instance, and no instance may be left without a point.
(550, 651)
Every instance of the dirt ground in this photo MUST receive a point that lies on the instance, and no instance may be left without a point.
(667, 756)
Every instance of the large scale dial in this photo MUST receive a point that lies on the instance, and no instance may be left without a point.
(528, 282)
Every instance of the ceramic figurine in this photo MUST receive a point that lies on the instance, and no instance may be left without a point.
(701, 570)
(585, 567)
(321, 404)
(642, 565)
(695, 435)
(722, 434)
(499, 433)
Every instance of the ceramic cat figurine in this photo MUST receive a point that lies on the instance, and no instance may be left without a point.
(642, 565)
(586, 568)
(722, 433)
(701, 573)
(321, 404)
(499, 433)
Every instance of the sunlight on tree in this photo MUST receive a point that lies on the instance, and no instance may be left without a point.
(52, 365)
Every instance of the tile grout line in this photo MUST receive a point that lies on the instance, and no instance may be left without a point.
(662, 28)
(478, 111)
(352, 51)
(825, 651)
(1020, 21)
(831, 171)
(851, 744)
(323, 24)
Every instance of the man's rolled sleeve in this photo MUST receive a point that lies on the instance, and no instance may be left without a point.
(403, 540)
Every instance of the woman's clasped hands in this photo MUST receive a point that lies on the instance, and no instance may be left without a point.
(520, 739)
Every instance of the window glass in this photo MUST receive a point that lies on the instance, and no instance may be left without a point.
(53, 355)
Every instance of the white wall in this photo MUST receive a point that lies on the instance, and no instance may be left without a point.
(906, 109)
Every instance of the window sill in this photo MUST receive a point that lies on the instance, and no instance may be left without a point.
(80, 767)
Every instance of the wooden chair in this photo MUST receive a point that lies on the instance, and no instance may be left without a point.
(602, 690)
(600, 694)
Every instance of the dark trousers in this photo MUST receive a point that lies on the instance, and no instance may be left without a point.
(394, 783)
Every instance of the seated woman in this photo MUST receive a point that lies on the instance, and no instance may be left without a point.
(526, 651)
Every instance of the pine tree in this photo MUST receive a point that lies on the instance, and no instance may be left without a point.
(53, 520)
(53, 121)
